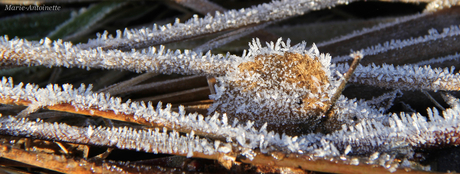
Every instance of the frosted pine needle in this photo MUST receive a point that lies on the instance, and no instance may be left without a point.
(406, 77)
(57, 53)
(209, 24)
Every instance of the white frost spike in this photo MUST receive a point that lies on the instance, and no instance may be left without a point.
(374, 156)
(89, 131)
(347, 150)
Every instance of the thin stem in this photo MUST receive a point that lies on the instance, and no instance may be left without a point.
(120, 87)
(211, 82)
(433, 100)
(357, 56)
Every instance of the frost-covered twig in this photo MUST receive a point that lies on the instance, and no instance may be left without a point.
(406, 77)
(357, 56)
(365, 137)
(231, 19)
(58, 53)
(439, 60)
(156, 141)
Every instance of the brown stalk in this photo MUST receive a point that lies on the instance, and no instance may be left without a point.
(211, 82)
(58, 163)
(325, 165)
(356, 58)
(62, 163)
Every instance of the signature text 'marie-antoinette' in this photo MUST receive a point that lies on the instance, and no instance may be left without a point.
(32, 8)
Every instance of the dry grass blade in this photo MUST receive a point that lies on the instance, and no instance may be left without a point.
(120, 87)
(181, 96)
(82, 101)
(167, 86)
